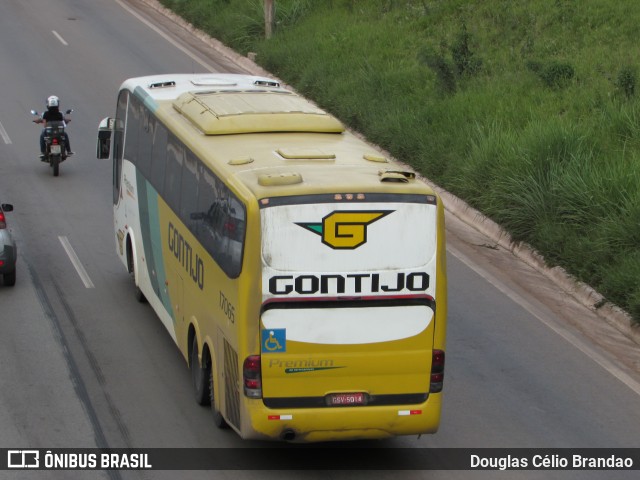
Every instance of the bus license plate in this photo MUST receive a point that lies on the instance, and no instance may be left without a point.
(345, 399)
(55, 149)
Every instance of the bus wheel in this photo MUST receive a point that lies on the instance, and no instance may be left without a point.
(218, 419)
(132, 270)
(199, 375)
(139, 295)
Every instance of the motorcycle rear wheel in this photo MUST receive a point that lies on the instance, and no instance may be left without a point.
(55, 164)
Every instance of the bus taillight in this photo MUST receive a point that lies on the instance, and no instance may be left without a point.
(252, 377)
(437, 371)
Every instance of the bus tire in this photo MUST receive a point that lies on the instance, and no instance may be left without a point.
(218, 419)
(132, 271)
(199, 375)
(139, 295)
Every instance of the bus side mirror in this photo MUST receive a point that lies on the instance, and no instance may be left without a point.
(103, 148)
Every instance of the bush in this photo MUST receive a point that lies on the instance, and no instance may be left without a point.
(557, 74)
(626, 81)
(465, 60)
(443, 70)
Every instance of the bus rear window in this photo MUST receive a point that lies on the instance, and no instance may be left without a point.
(332, 237)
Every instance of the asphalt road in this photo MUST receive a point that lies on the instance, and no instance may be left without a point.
(85, 365)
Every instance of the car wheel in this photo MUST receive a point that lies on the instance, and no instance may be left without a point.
(9, 279)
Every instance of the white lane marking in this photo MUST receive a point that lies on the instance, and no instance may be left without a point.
(59, 37)
(165, 36)
(4, 135)
(84, 276)
(605, 363)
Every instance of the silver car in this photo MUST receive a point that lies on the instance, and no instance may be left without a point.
(8, 249)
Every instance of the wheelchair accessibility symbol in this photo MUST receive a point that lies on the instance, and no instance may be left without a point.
(274, 340)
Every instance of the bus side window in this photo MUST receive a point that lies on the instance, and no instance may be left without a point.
(202, 227)
(189, 189)
(134, 120)
(173, 174)
(145, 143)
(118, 142)
(234, 229)
(159, 154)
(219, 222)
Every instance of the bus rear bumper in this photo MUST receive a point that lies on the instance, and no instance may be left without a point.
(344, 423)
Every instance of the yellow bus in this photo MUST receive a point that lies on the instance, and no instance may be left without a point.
(300, 272)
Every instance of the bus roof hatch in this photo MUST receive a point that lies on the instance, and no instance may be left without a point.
(253, 111)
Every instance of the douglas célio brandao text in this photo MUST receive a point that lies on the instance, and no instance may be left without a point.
(550, 461)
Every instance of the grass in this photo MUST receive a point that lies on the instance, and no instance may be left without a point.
(529, 111)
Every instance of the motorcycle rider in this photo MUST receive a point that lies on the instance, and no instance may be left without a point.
(53, 113)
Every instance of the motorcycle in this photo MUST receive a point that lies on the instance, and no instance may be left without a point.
(55, 151)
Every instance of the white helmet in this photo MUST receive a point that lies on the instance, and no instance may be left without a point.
(53, 101)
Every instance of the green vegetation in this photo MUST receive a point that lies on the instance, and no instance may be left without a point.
(529, 111)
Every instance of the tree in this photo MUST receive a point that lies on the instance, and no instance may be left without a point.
(269, 10)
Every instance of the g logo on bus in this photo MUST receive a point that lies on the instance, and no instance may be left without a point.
(345, 229)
